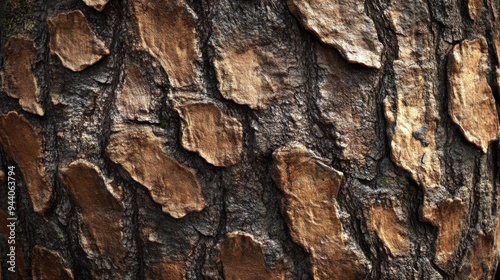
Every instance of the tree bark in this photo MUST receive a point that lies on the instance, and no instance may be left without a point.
(249, 139)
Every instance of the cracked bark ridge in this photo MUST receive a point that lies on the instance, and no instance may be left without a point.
(101, 211)
(210, 133)
(167, 271)
(23, 144)
(411, 111)
(471, 103)
(72, 40)
(134, 102)
(310, 190)
(390, 228)
(99, 5)
(19, 81)
(141, 153)
(342, 24)
(448, 216)
(243, 259)
(167, 31)
(48, 264)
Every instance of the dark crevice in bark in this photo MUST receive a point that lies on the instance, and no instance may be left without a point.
(307, 57)
(221, 227)
(139, 246)
(81, 265)
(492, 59)
(196, 262)
(496, 181)
(467, 22)
(425, 233)
(471, 221)
(386, 83)
(441, 272)
(118, 52)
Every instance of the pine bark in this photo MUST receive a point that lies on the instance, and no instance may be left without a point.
(251, 139)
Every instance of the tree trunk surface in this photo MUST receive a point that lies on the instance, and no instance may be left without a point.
(298, 139)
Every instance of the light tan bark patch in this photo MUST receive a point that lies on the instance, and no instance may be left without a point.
(342, 24)
(96, 4)
(310, 190)
(72, 40)
(242, 79)
(390, 229)
(167, 31)
(19, 80)
(171, 184)
(209, 132)
(475, 8)
(471, 103)
(411, 112)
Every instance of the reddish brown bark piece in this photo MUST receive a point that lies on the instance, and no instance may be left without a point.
(72, 40)
(209, 132)
(96, 4)
(342, 24)
(101, 210)
(47, 264)
(390, 229)
(448, 216)
(172, 185)
(167, 31)
(243, 259)
(23, 144)
(310, 188)
(167, 271)
(471, 103)
(18, 78)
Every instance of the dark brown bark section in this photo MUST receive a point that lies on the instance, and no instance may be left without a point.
(80, 112)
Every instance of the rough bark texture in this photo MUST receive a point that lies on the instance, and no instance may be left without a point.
(228, 139)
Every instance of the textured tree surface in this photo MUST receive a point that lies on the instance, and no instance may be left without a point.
(256, 139)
